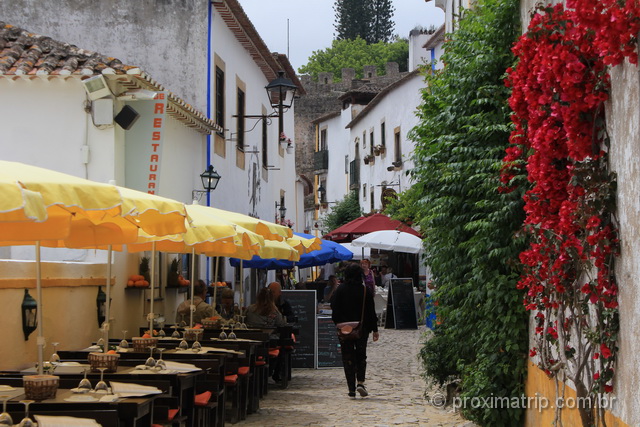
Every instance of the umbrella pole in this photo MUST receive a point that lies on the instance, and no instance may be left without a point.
(40, 340)
(153, 280)
(241, 285)
(107, 312)
(192, 308)
(215, 288)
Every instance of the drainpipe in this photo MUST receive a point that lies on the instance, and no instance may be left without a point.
(209, 19)
(209, 23)
(433, 59)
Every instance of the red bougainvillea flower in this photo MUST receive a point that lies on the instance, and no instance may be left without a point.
(604, 350)
(559, 87)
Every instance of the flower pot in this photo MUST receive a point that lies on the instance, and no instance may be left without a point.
(289, 149)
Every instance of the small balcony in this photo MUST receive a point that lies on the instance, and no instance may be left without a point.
(354, 174)
(321, 161)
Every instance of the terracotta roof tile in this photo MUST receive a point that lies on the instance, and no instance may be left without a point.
(26, 54)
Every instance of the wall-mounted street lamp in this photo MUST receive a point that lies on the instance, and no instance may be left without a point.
(281, 209)
(281, 92)
(321, 193)
(29, 310)
(210, 179)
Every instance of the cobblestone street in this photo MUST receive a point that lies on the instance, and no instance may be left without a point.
(396, 392)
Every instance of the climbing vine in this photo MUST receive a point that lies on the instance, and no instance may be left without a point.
(559, 87)
(469, 228)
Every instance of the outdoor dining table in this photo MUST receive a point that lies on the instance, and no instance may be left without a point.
(131, 411)
(182, 383)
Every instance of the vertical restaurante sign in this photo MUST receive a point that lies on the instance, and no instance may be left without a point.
(143, 144)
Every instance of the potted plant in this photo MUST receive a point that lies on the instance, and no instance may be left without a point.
(379, 149)
(369, 159)
(289, 147)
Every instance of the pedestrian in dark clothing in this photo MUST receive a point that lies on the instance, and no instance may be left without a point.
(346, 306)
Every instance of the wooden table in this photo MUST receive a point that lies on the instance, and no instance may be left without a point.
(182, 383)
(130, 412)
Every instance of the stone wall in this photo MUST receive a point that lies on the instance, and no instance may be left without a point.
(322, 98)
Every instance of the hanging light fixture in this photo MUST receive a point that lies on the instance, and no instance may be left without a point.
(280, 208)
(29, 314)
(210, 179)
(281, 92)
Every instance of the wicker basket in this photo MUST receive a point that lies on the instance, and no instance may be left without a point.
(103, 360)
(40, 387)
(211, 324)
(190, 334)
(143, 344)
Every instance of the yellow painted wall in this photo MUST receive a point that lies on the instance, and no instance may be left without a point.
(538, 382)
(69, 306)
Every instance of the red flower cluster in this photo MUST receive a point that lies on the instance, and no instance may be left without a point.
(559, 87)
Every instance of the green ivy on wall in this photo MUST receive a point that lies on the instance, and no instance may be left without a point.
(471, 230)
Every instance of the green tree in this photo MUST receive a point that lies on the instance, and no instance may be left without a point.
(342, 212)
(371, 20)
(383, 25)
(356, 54)
(471, 230)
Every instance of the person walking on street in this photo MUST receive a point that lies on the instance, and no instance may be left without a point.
(347, 306)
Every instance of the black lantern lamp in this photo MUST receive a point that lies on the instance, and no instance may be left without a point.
(281, 92)
(210, 179)
(321, 193)
(29, 314)
(101, 303)
(280, 208)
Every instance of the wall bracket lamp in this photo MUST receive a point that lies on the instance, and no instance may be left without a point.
(281, 92)
(281, 209)
(210, 179)
(29, 314)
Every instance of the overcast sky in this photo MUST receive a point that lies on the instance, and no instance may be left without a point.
(311, 23)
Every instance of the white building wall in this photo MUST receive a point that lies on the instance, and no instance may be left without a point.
(397, 111)
(237, 186)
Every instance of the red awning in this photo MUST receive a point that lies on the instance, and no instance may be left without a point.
(367, 224)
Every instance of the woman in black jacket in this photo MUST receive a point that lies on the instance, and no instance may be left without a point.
(346, 306)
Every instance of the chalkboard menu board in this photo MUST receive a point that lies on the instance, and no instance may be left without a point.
(329, 355)
(401, 305)
(303, 304)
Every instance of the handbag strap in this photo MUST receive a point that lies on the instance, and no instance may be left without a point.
(364, 295)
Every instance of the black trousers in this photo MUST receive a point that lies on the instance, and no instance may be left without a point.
(354, 359)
